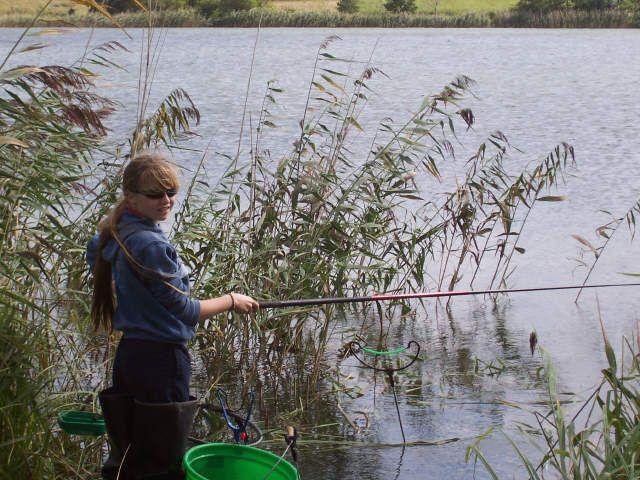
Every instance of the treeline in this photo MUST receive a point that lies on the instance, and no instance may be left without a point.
(603, 8)
(510, 19)
(216, 9)
(609, 18)
(552, 5)
(398, 13)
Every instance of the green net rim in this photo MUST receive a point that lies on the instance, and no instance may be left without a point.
(393, 351)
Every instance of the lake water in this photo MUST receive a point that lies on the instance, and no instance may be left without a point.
(539, 87)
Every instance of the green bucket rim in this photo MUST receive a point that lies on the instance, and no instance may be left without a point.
(192, 454)
(81, 422)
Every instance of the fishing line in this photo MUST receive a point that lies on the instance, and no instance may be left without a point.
(399, 467)
(354, 347)
(291, 445)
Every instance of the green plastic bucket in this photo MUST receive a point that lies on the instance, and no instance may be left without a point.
(227, 461)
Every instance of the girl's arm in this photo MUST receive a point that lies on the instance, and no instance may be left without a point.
(232, 301)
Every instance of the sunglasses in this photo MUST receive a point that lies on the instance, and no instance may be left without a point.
(158, 195)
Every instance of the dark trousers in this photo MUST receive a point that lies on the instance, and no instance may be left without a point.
(153, 372)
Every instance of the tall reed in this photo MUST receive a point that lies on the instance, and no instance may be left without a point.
(51, 123)
(315, 222)
(605, 234)
(600, 440)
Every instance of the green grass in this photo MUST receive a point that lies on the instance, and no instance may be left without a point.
(457, 7)
(445, 7)
(57, 9)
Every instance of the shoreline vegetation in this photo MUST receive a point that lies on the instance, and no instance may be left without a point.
(609, 18)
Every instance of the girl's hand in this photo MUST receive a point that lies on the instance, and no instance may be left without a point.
(242, 303)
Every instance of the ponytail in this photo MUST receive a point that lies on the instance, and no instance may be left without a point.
(103, 304)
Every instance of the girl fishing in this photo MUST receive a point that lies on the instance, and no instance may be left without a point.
(141, 288)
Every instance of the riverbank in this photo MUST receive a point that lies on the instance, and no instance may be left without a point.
(275, 18)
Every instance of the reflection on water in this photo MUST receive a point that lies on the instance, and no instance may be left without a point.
(447, 398)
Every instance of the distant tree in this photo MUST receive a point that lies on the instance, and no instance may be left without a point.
(169, 4)
(226, 6)
(206, 8)
(541, 5)
(548, 5)
(632, 7)
(347, 6)
(401, 6)
(212, 8)
(118, 6)
(593, 4)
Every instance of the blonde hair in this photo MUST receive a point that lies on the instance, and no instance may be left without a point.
(148, 172)
(145, 173)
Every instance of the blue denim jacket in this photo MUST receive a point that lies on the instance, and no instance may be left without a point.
(147, 307)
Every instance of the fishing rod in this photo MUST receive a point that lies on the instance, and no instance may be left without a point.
(406, 296)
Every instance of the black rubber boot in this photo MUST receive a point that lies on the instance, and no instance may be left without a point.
(160, 432)
(117, 411)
